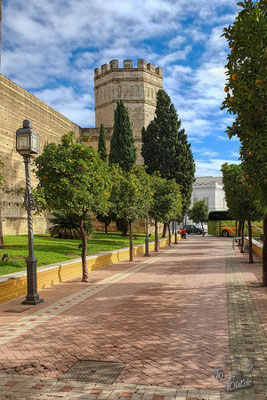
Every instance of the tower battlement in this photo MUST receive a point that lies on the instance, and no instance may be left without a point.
(136, 86)
(127, 65)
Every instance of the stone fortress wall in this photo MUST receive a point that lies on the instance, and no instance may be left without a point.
(137, 87)
(16, 105)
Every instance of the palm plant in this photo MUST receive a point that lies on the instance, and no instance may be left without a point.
(66, 225)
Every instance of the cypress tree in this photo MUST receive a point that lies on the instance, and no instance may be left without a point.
(122, 150)
(102, 149)
(165, 148)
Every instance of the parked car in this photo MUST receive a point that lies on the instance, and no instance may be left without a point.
(193, 229)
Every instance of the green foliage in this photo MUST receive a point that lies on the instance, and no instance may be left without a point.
(122, 150)
(199, 212)
(165, 148)
(67, 226)
(167, 200)
(72, 177)
(238, 193)
(106, 219)
(246, 71)
(131, 193)
(51, 250)
(102, 148)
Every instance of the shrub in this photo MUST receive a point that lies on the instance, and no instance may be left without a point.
(66, 226)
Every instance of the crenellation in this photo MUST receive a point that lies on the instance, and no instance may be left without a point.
(159, 71)
(128, 64)
(97, 72)
(141, 64)
(114, 64)
(151, 67)
(105, 68)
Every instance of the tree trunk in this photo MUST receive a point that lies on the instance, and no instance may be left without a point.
(165, 228)
(264, 252)
(242, 237)
(202, 227)
(131, 241)
(239, 232)
(175, 234)
(156, 236)
(250, 242)
(1, 230)
(85, 277)
(170, 236)
(106, 227)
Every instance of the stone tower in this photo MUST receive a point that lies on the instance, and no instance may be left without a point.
(136, 87)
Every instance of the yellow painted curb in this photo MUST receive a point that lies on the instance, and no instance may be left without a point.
(48, 276)
(256, 247)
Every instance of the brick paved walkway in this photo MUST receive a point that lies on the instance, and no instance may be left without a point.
(165, 317)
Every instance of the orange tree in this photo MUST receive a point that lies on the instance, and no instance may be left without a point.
(240, 200)
(246, 98)
(74, 179)
(167, 203)
(131, 196)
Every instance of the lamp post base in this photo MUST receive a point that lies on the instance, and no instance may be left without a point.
(32, 301)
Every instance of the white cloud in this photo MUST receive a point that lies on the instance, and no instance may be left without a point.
(67, 102)
(57, 44)
(176, 55)
(211, 167)
(205, 152)
(235, 154)
(177, 41)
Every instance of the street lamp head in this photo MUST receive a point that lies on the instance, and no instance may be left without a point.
(27, 141)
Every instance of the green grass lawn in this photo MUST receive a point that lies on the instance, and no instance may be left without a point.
(50, 250)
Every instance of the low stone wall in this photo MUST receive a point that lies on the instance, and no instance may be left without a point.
(15, 285)
(256, 246)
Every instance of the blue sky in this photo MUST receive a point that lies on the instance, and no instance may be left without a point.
(51, 48)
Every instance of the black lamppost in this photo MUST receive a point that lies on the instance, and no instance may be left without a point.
(27, 143)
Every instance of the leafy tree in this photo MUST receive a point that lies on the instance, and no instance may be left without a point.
(105, 219)
(67, 225)
(131, 196)
(122, 150)
(167, 203)
(73, 179)
(241, 203)
(1, 220)
(102, 148)
(165, 148)
(246, 89)
(199, 213)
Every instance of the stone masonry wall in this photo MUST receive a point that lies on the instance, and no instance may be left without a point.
(137, 87)
(16, 105)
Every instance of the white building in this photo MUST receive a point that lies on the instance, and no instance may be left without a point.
(210, 189)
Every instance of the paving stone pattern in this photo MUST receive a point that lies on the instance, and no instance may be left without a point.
(165, 317)
(248, 343)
